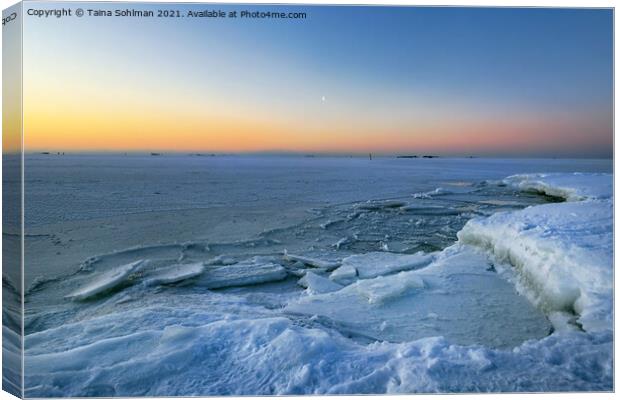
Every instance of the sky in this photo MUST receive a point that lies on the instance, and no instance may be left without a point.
(11, 84)
(393, 80)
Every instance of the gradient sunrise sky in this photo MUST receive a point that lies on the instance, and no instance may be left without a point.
(451, 81)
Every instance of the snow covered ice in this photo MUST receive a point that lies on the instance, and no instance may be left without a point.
(562, 253)
(572, 187)
(489, 282)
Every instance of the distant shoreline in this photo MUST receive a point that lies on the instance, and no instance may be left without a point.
(401, 156)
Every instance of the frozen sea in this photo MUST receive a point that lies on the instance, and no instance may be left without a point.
(199, 275)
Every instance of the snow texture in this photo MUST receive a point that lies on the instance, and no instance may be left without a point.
(276, 356)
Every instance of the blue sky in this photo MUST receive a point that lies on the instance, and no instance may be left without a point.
(488, 81)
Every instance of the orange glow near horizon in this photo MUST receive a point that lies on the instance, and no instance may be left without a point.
(75, 116)
(106, 123)
(130, 132)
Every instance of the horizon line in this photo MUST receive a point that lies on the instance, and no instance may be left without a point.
(309, 154)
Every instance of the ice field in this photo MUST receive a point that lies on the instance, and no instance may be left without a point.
(187, 275)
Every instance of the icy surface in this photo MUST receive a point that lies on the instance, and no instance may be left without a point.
(378, 205)
(248, 272)
(230, 315)
(416, 304)
(126, 183)
(106, 281)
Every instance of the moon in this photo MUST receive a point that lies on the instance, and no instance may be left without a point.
(323, 99)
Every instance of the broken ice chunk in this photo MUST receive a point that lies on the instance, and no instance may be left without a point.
(106, 281)
(371, 265)
(318, 284)
(313, 262)
(175, 273)
(383, 288)
(249, 272)
(344, 275)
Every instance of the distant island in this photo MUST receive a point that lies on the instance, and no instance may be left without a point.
(415, 156)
